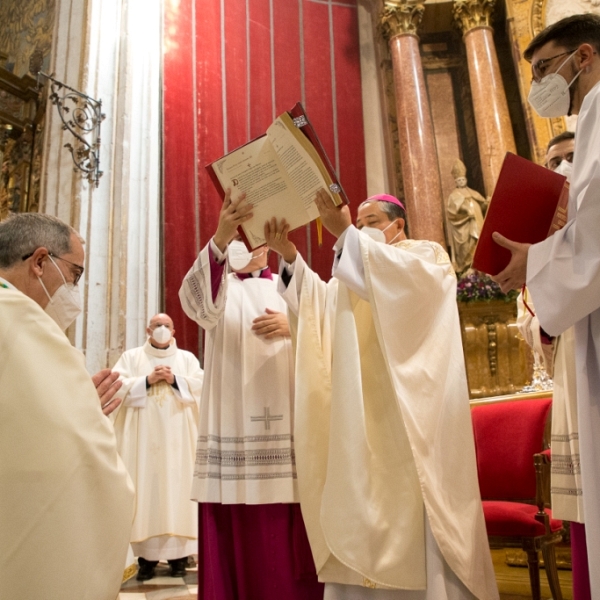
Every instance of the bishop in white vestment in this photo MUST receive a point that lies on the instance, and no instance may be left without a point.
(384, 441)
(157, 427)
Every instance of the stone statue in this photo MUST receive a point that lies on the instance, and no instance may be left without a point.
(464, 212)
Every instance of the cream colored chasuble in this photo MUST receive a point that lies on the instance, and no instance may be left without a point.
(156, 431)
(383, 429)
(66, 501)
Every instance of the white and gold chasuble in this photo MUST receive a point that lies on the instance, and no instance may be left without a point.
(384, 441)
(156, 432)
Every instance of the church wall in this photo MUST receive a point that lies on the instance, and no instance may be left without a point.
(110, 50)
(230, 67)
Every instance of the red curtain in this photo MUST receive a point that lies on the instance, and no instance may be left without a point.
(230, 67)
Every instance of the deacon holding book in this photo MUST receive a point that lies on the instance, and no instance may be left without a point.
(563, 272)
(384, 441)
(559, 361)
(252, 540)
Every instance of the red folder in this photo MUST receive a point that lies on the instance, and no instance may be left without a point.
(529, 204)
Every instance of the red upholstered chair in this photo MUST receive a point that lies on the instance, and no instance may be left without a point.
(513, 479)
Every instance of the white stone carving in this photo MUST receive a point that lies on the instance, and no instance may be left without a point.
(559, 9)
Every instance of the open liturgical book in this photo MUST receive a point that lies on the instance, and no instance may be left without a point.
(281, 172)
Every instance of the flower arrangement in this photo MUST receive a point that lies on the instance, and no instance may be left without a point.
(478, 287)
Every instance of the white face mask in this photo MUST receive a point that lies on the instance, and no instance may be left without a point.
(550, 97)
(379, 234)
(162, 334)
(64, 305)
(238, 255)
(565, 168)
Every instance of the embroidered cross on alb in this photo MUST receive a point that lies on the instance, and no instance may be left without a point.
(267, 418)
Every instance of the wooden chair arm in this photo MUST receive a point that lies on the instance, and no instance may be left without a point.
(542, 463)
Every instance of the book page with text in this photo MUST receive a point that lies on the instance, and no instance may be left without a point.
(299, 164)
(257, 170)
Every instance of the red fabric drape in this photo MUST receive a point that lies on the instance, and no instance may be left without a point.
(230, 67)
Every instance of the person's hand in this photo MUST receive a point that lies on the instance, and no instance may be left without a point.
(336, 219)
(107, 385)
(233, 214)
(513, 277)
(168, 375)
(276, 235)
(161, 373)
(272, 324)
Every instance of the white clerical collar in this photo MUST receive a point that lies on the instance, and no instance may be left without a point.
(6, 284)
(160, 352)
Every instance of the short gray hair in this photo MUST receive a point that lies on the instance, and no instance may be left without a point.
(23, 233)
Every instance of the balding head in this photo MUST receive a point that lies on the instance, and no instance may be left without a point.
(157, 322)
(161, 319)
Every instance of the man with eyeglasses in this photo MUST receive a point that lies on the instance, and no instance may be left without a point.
(563, 272)
(66, 500)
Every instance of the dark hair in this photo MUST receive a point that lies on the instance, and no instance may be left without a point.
(570, 32)
(561, 137)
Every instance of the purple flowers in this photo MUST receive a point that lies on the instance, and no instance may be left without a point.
(478, 287)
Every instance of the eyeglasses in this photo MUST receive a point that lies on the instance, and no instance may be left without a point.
(78, 268)
(539, 68)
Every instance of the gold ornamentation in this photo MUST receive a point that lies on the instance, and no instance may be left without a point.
(441, 256)
(496, 359)
(469, 14)
(369, 584)
(26, 32)
(161, 392)
(557, 125)
(400, 17)
(492, 349)
(129, 572)
(538, 16)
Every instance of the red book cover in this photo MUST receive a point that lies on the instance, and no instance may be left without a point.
(529, 203)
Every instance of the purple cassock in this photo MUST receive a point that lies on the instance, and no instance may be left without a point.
(254, 552)
(579, 559)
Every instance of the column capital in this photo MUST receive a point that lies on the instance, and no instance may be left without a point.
(400, 17)
(469, 14)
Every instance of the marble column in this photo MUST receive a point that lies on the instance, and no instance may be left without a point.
(420, 173)
(492, 120)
